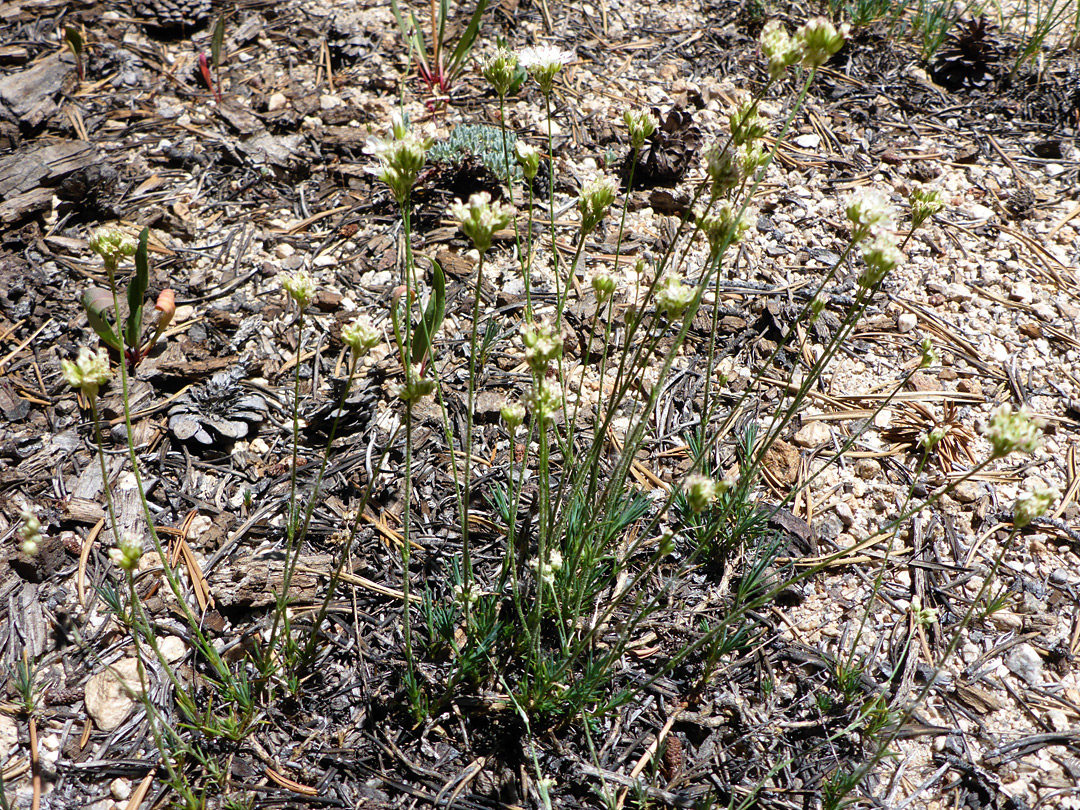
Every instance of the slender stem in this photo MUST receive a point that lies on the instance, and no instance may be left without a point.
(405, 532)
(466, 559)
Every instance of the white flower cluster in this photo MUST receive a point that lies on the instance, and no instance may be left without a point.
(481, 218)
(88, 372)
(1009, 431)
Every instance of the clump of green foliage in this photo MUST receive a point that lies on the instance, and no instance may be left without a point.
(492, 146)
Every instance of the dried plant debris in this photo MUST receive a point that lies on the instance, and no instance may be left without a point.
(915, 427)
(668, 153)
(218, 409)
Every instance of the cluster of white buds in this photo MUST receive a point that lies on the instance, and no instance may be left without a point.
(300, 287)
(925, 202)
(127, 553)
(401, 157)
(545, 572)
(594, 201)
(872, 225)
(673, 297)
(603, 284)
(1032, 503)
(813, 45)
(779, 48)
(88, 372)
(500, 69)
(701, 491)
(543, 62)
(361, 336)
(641, 124)
(29, 532)
(112, 245)
(542, 345)
(528, 157)
(513, 414)
(1009, 431)
(481, 218)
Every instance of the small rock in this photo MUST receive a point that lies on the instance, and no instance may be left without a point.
(328, 102)
(981, 212)
(1023, 662)
(920, 381)
(173, 648)
(782, 460)
(966, 492)
(1031, 329)
(809, 141)
(1058, 720)
(843, 511)
(284, 250)
(813, 434)
(107, 700)
(325, 260)
(1021, 291)
(906, 321)
(120, 789)
(9, 736)
(947, 375)
(883, 418)
(970, 386)
(1059, 576)
(957, 292)
(867, 468)
(276, 102)
(1044, 310)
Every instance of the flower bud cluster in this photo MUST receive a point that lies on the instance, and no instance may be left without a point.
(779, 48)
(501, 70)
(513, 414)
(1033, 503)
(1009, 431)
(594, 201)
(542, 346)
(127, 553)
(29, 532)
(528, 157)
(400, 159)
(819, 40)
(723, 227)
(673, 297)
(544, 401)
(545, 572)
(415, 387)
(361, 336)
(603, 285)
(747, 125)
(871, 224)
(925, 202)
(88, 372)
(481, 218)
(112, 245)
(641, 125)
(701, 491)
(300, 287)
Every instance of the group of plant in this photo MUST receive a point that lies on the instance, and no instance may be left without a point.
(589, 557)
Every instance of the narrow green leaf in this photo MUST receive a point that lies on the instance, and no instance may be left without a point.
(433, 315)
(97, 302)
(216, 41)
(461, 52)
(137, 291)
(74, 40)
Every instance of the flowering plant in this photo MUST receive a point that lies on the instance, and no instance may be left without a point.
(440, 72)
(112, 246)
